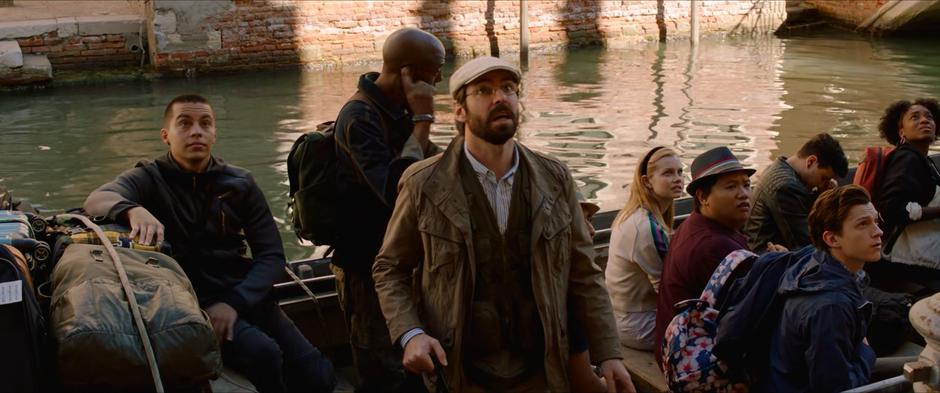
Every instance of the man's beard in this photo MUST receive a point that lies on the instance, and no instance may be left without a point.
(498, 135)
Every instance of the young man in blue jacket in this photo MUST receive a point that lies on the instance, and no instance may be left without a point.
(819, 344)
(212, 214)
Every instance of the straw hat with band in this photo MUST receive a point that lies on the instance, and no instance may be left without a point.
(591, 207)
(717, 161)
(476, 68)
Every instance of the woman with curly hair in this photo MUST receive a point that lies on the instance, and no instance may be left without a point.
(638, 243)
(908, 194)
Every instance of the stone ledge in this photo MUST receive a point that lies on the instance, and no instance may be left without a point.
(111, 24)
(23, 29)
(67, 26)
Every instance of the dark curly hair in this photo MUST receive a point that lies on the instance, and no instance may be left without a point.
(828, 152)
(888, 128)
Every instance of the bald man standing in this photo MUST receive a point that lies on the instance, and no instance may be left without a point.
(380, 131)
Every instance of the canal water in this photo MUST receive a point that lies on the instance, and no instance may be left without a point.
(597, 110)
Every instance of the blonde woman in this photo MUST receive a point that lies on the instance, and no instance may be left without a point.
(638, 243)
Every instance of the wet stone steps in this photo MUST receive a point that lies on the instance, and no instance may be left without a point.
(19, 69)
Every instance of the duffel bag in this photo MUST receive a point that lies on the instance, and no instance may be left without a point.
(98, 343)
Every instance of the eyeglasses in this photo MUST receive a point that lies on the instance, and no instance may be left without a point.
(508, 89)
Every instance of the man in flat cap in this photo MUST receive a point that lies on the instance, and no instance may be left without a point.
(487, 252)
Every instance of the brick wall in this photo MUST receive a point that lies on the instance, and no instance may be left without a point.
(851, 12)
(240, 34)
(81, 51)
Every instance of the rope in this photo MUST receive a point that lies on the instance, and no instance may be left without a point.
(316, 302)
(129, 293)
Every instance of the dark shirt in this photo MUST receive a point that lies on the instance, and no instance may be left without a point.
(211, 219)
(908, 176)
(781, 207)
(818, 344)
(370, 137)
(697, 247)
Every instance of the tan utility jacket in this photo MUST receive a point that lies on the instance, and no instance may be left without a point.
(425, 271)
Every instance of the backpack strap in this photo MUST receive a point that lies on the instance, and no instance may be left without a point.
(722, 272)
(343, 143)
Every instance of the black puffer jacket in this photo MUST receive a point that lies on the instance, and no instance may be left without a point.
(211, 219)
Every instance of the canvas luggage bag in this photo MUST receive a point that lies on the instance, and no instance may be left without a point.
(22, 327)
(98, 345)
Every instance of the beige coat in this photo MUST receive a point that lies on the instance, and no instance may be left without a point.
(425, 271)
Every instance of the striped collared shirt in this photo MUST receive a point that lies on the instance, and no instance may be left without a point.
(498, 191)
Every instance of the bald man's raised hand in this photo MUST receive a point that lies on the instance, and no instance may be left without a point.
(418, 93)
(420, 97)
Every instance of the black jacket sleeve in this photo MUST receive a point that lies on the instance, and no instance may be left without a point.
(120, 195)
(905, 179)
(363, 138)
(267, 251)
(790, 213)
(361, 134)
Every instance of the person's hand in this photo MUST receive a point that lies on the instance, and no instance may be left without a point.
(617, 377)
(145, 225)
(420, 97)
(222, 317)
(773, 247)
(419, 94)
(417, 358)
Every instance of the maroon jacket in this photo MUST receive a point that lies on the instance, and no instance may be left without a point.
(696, 249)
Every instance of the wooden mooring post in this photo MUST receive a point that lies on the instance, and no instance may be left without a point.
(523, 33)
(694, 22)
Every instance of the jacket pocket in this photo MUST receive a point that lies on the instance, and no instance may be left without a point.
(229, 222)
(557, 222)
(440, 282)
(443, 245)
(556, 237)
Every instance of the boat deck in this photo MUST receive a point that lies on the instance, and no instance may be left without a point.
(643, 370)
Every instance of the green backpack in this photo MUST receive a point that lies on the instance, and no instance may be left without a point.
(311, 172)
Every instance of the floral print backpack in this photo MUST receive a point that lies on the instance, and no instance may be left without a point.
(688, 362)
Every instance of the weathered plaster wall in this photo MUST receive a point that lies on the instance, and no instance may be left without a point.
(239, 34)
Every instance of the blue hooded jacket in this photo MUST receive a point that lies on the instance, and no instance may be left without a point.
(818, 347)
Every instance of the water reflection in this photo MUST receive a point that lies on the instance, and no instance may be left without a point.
(598, 110)
(843, 85)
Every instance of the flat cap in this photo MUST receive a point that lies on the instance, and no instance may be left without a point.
(475, 68)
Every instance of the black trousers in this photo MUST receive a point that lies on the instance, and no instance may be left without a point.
(272, 353)
(377, 360)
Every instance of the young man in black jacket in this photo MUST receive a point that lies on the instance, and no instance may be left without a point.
(212, 214)
(786, 191)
